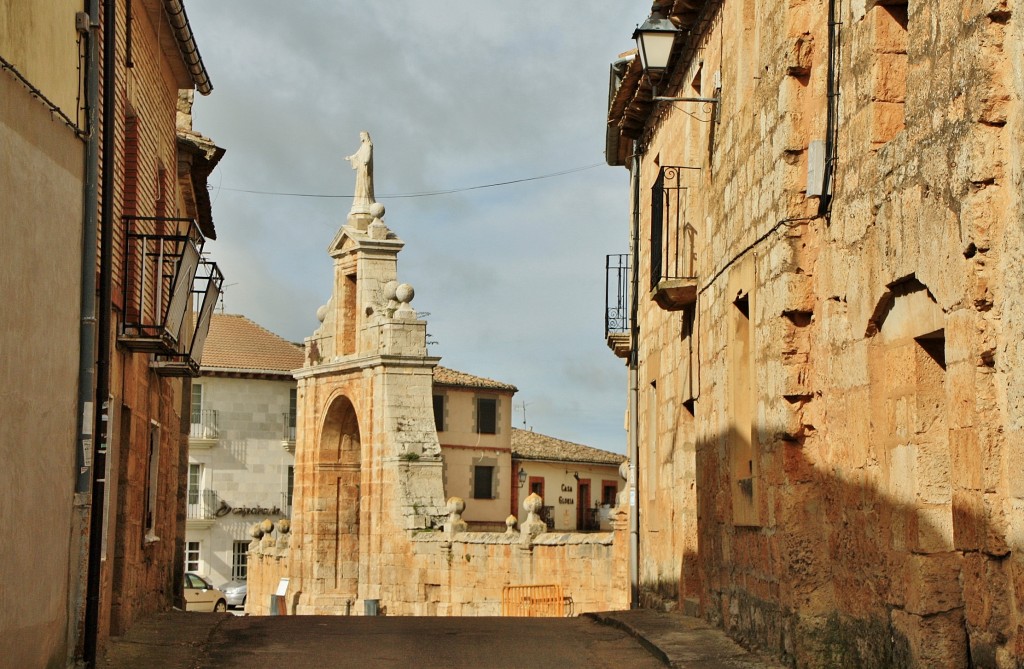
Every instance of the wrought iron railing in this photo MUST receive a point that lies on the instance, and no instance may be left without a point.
(288, 426)
(204, 425)
(673, 239)
(162, 272)
(202, 504)
(616, 294)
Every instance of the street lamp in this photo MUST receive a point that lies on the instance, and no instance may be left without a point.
(654, 42)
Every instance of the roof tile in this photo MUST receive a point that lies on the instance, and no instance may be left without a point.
(529, 445)
(236, 343)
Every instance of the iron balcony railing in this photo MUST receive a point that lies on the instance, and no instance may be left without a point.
(616, 294)
(202, 504)
(204, 425)
(673, 239)
(288, 427)
(163, 274)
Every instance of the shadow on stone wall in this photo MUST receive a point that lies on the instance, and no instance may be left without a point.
(842, 574)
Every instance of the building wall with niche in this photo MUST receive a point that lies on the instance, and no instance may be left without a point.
(840, 480)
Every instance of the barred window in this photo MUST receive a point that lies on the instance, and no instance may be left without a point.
(239, 561)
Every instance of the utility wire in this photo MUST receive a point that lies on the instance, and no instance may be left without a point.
(424, 193)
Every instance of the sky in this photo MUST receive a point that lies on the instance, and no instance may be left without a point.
(455, 94)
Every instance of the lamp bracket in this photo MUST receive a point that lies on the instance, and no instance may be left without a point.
(659, 98)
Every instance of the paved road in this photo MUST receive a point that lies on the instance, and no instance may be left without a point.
(208, 641)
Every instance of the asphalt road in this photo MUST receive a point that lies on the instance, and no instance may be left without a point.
(209, 641)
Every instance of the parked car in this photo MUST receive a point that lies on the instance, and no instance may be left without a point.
(201, 596)
(235, 592)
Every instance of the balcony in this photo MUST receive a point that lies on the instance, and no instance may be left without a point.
(288, 432)
(673, 244)
(201, 509)
(163, 275)
(203, 432)
(617, 330)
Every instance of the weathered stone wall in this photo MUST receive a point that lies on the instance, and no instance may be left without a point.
(464, 573)
(855, 433)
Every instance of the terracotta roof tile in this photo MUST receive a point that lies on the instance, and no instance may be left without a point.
(236, 343)
(529, 445)
(449, 377)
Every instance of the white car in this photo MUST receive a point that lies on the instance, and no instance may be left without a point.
(201, 596)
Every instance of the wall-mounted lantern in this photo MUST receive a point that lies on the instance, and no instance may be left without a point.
(654, 42)
(522, 477)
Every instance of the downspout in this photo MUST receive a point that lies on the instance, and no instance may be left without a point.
(831, 113)
(100, 433)
(634, 386)
(86, 329)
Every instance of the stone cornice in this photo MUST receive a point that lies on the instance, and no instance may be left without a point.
(364, 362)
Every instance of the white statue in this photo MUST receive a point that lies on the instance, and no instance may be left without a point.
(362, 163)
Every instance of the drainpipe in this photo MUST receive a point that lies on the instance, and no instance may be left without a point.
(100, 433)
(634, 387)
(87, 327)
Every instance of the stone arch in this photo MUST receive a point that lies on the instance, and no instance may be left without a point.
(338, 463)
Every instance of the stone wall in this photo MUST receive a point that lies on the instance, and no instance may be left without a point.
(842, 486)
(457, 573)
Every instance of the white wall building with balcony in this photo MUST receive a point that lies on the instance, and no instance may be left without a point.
(241, 444)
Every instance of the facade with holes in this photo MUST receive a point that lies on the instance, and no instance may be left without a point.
(823, 322)
(70, 586)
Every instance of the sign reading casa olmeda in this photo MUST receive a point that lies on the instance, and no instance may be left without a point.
(225, 508)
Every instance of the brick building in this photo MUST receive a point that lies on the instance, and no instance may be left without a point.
(106, 213)
(821, 310)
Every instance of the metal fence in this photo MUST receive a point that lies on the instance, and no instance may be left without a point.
(534, 601)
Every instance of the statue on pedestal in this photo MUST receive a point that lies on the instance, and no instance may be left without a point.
(362, 163)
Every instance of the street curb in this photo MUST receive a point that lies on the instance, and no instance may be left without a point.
(618, 623)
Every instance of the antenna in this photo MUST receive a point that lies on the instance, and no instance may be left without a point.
(223, 290)
(523, 405)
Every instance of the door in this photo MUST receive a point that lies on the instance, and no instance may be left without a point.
(583, 505)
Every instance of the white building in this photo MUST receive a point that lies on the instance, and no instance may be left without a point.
(241, 446)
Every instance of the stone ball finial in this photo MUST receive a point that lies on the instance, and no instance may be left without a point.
(284, 526)
(510, 524)
(533, 503)
(456, 505)
(377, 210)
(267, 526)
(404, 293)
(321, 313)
(624, 470)
(255, 531)
(390, 288)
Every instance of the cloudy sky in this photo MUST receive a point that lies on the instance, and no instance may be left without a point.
(456, 94)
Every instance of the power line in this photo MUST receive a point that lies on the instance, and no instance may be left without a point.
(421, 194)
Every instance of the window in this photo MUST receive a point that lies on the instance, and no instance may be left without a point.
(291, 485)
(537, 486)
(439, 413)
(152, 482)
(609, 490)
(486, 415)
(239, 561)
(195, 479)
(292, 412)
(197, 408)
(192, 556)
(483, 482)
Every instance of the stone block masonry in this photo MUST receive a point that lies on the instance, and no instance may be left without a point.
(464, 573)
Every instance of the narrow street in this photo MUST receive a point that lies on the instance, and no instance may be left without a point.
(179, 640)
